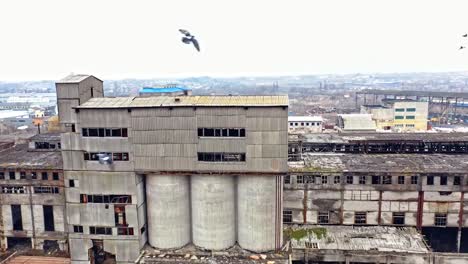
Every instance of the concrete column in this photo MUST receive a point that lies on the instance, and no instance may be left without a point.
(213, 211)
(168, 209)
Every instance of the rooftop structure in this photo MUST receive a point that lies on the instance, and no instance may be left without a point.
(356, 122)
(75, 78)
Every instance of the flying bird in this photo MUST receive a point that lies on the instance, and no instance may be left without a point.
(462, 47)
(465, 35)
(189, 38)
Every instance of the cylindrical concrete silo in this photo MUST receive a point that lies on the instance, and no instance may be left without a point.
(213, 211)
(168, 209)
(258, 201)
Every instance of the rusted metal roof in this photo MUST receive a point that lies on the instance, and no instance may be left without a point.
(174, 101)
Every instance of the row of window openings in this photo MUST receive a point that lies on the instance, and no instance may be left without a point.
(221, 157)
(407, 109)
(221, 132)
(407, 125)
(407, 117)
(32, 175)
(17, 218)
(292, 124)
(46, 145)
(398, 218)
(300, 179)
(104, 132)
(110, 199)
(99, 230)
(116, 156)
(23, 189)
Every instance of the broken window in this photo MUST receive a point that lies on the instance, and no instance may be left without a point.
(309, 179)
(46, 189)
(360, 217)
(13, 189)
(221, 157)
(443, 180)
(125, 231)
(2, 175)
(11, 175)
(336, 179)
(78, 229)
(398, 218)
(456, 180)
(96, 230)
(118, 156)
(45, 176)
(440, 219)
(71, 183)
(323, 218)
(349, 179)
(114, 199)
(414, 179)
(430, 180)
(287, 179)
(362, 179)
(387, 180)
(33, 175)
(17, 219)
(287, 216)
(22, 175)
(48, 217)
(401, 179)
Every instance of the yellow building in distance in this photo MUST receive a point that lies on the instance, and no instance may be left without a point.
(399, 115)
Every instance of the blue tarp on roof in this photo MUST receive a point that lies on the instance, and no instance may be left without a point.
(162, 89)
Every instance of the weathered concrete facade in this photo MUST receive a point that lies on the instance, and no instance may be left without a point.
(32, 196)
(202, 170)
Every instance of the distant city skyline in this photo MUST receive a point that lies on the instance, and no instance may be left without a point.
(49, 39)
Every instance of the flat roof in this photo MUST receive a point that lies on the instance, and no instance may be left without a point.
(360, 238)
(305, 118)
(381, 163)
(414, 93)
(342, 138)
(176, 101)
(20, 156)
(46, 137)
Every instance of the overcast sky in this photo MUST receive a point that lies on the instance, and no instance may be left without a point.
(49, 39)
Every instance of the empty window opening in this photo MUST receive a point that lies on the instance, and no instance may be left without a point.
(46, 189)
(11, 175)
(287, 179)
(104, 132)
(221, 132)
(17, 218)
(349, 179)
(398, 218)
(22, 175)
(78, 229)
(44, 176)
(98, 230)
(376, 179)
(387, 180)
(221, 157)
(401, 179)
(443, 180)
(299, 179)
(456, 180)
(336, 179)
(48, 217)
(414, 179)
(112, 199)
(430, 180)
(55, 176)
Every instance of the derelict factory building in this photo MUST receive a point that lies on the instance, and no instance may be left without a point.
(205, 170)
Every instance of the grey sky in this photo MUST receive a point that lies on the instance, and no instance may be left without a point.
(48, 39)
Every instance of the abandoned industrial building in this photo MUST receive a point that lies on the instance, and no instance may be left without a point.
(170, 171)
(32, 195)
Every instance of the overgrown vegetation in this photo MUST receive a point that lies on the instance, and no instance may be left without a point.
(298, 234)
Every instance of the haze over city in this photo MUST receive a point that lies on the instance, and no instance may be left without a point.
(122, 39)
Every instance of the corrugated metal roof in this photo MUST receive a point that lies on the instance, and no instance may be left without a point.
(162, 89)
(174, 101)
(75, 78)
